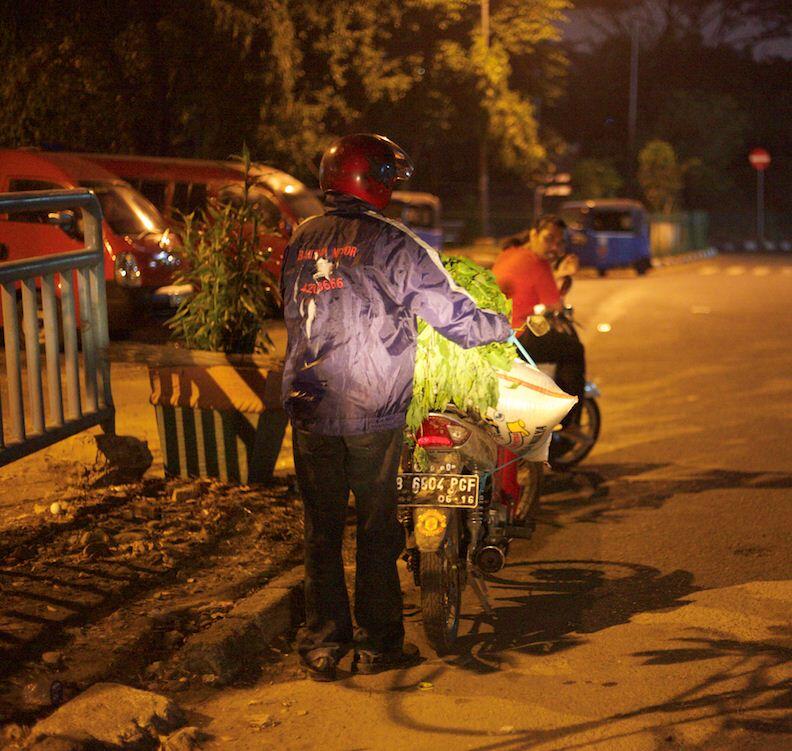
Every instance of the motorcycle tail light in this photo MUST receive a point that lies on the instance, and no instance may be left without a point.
(434, 433)
(438, 431)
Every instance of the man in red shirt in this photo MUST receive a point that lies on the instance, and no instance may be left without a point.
(525, 274)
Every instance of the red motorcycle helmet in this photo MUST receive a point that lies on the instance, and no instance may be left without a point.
(366, 166)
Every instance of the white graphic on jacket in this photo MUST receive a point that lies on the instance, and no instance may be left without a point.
(324, 269)
(308, 315)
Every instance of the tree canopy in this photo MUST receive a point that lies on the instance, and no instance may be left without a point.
(284, 75)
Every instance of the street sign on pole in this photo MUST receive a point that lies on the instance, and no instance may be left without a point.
(760, 161)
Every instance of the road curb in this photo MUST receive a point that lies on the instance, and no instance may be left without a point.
(674, 260)
(226, 648)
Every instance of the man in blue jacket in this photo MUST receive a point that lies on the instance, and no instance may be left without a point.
(353, 283)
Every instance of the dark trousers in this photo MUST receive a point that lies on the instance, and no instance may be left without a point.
(569, 356)
(328, 467)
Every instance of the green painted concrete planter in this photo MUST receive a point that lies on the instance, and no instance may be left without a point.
(229, 445)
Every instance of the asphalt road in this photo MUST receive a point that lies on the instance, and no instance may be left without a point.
(652, 609)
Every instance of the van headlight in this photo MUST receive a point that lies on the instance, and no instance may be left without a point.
(127, 271)
(165, 258)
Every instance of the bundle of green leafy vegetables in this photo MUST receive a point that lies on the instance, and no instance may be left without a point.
(447, 374)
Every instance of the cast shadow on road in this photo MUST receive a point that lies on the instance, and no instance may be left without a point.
(606, 492)
(761, 703)
(549, 606)
(742, 693)
(544, 607)
(750, 659)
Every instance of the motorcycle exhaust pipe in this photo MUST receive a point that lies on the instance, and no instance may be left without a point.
(490, 558)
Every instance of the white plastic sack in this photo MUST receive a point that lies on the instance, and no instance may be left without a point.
(530, 405)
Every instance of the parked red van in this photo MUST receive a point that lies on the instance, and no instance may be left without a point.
(139, 264)
(181, 186)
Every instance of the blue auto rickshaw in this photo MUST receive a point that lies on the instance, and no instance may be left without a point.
(609, 233)
(420, 212)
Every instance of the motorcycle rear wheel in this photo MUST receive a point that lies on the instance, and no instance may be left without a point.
(529, 478)
(441, 594)
(565, 452)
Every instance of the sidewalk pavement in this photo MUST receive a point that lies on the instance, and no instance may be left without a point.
(227, 647)
(689, 257)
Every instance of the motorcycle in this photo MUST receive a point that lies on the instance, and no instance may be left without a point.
(458, 524)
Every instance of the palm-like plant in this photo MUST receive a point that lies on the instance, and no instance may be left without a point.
(223, 260)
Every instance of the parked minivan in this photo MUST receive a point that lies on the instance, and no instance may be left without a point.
(609, 233)
(139, 264)
(181, 186)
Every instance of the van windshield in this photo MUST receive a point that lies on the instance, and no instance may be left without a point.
(299, 200)
(302, 203)
(598, 219)
(612, 221)
(125, 210)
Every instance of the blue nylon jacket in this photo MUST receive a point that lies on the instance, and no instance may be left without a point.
(353, 283)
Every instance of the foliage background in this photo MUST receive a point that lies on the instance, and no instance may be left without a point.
(198, 77)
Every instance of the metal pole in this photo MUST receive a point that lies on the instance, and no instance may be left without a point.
(49, 305)
(68, 315)
(483, 152)
(30, 326)
(632, 116)
(538, 195)
(93, 238)
(13, 364)
(760, 219)
(88, 334)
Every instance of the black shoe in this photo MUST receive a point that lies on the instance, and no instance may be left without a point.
(369, 662)
(320, 666)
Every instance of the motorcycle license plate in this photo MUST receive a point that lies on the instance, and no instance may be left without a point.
(423, 489)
